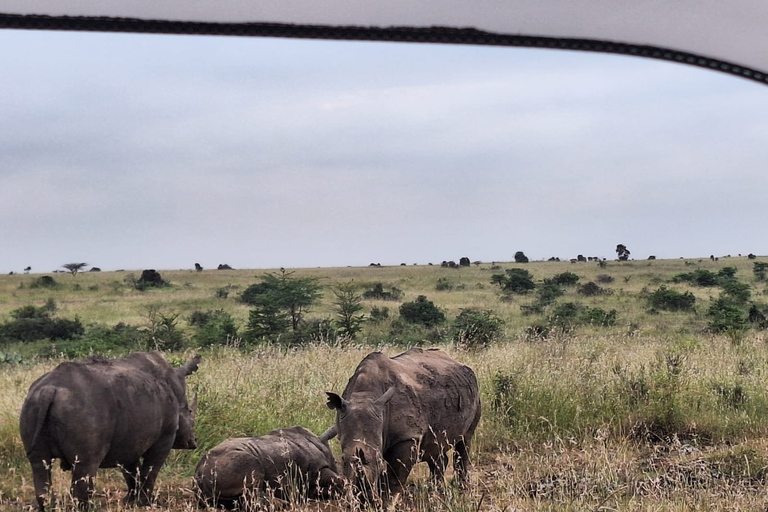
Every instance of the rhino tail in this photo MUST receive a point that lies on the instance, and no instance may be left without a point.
(43, 403)
(328, 434)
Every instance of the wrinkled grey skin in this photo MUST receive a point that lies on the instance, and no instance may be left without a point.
(104, 413)
(397, 411)
(282, 461)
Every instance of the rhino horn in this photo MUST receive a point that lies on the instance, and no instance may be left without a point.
(386, 397)
(329, 434)
(336, 402)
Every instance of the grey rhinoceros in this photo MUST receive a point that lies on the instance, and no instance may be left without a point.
(397, 411)
(281, 462)
(103, 413)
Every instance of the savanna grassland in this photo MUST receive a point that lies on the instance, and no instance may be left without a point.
(594, 398)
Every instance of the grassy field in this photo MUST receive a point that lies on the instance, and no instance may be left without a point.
(655, 412)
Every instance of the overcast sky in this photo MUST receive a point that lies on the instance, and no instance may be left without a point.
(132, 151)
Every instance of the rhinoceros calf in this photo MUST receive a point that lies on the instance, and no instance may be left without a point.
(103, 413)
(280, 462)
(397, 411)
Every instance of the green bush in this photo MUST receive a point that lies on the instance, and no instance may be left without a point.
(30, 323)
(727, 315)
(377, 292)
(475, 328)
(591, 289)
(739, 292)
(214, 327)
(98, 339)
(699, 277)
(671, 300)
(548, 293)
(598, 317)
(422, 311)
(514, 280)
(378, 314)
(760, 269)
(443, 285)
(563, 279)
(44, 282)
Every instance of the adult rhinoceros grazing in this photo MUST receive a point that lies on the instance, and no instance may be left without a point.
(397, 411)
(104, 413)
(280, 462)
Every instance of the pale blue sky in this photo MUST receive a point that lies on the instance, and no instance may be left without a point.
(148, 151)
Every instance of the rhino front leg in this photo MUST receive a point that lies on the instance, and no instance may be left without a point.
(329, 485)
(131, 474)
(400, 461)
(41, 473)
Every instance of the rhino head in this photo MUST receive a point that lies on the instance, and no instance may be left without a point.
(185, 434)
(360, 425)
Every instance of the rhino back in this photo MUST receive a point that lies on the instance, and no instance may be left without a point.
(257, 462)
(101, 410)
(433, 393)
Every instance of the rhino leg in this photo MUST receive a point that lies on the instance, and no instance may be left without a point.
(437, 465)
(400, 461)
(461, 462)
(329, 485)
(41, 473)
(83, 475)
(153, 460)
(131, 474)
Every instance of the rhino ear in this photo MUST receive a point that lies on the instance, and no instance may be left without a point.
(335, 402)
(190, 367)
(386, 397)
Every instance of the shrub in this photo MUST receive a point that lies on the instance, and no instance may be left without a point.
(464, 262)
(378, 314)
(30, 323)
(514, 280)
(591, 289)
(520, 257)
(758, 316)
(739, 292)
(604, 279)
(548, 293)
(422, 311)
(378, 293)
(563, 279)
(598, 317)
(443, 285)
(214, 327)
(44, 282)
(475, 328)
(348, 304)
(671, 300)
(726, 315)
(98, 339)
(565, 316)
(760, 269)
(699, 277)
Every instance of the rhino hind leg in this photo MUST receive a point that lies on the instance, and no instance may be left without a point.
(41, 474)
(461, 463)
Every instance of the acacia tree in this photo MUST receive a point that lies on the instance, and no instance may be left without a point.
(348, 306)
(279, 300)
(74, 267)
